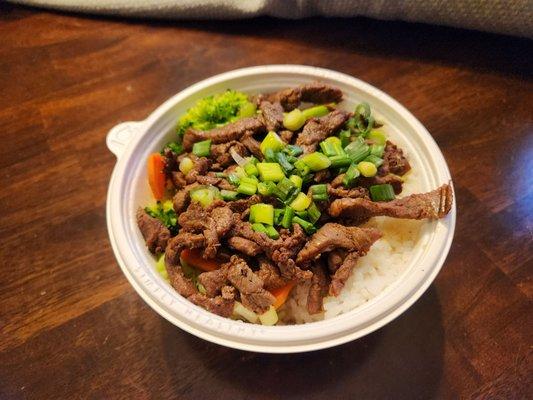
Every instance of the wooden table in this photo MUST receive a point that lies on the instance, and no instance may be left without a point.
(71, 325)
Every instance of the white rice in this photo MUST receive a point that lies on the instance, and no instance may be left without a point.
(385, 262)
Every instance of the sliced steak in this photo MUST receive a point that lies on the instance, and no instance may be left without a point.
(178, 179)
(272, 115)
(240, 206)
(335, 259)
(226, 133)
(217, 305)
(249, 285)
(394, 162)
(213, 281)
(344, 272)
(320, 93)
(200, 168)
(431, 205)
(317, 129)
(221, 156)
(182, 198)
(155, 233)
(318, 289)
(322, 176)
(335, 236)
(252, 145)
(177, 278)
(286, 136)
(245, 246)
(288, 98)
(353, 193)
(270, 274)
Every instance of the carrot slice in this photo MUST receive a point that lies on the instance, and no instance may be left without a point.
(282, 293)
(194, 259)
(156, 175)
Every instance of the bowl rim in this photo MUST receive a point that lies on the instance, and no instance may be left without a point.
(277, 339)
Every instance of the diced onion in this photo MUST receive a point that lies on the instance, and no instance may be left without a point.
(270, 317)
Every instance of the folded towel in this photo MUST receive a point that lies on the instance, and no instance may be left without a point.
(514, 17)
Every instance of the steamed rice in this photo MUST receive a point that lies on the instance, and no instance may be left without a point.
(385, 262)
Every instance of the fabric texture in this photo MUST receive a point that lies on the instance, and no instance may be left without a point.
(514, 17)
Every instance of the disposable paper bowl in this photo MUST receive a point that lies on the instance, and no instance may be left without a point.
(132, 142)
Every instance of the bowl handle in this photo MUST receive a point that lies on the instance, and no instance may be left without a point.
(120, 135)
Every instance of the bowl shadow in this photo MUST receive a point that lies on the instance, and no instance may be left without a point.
(403, 359)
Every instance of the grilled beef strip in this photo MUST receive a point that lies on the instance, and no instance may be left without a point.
(226, 133)
(270, 274)
(221, 305)
(315, 92)
(214, 281)
(250, 286)
(245, 246)
(394, 161)
(155, 233)
(431, 205)
(252, 145)
(272, 114)
(317, 129)
(221, 154)
(318, 289)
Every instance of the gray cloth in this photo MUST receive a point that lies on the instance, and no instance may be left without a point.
(514, 17)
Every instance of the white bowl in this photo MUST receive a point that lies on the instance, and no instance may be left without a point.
(132, 142)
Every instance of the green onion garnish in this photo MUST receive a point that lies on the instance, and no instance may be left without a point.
(285, 189)
(302, 167)
(271, 232)
(259, 228)
(251, 169)
(270, 171)
(383, 192)
(351, 176)
(340, 161)
(358, 150)
(228, 195)
(265, 188)
(374, 160)
(278, 215)
(317, 111)
(202, 149)
(313, 213)
(234, 179)
(319, 192)
(316, 161)
(271, 141)
(308, 227)
(288, 215)
(293, 150)
(263, 213)
(281, 158)
(377, 150)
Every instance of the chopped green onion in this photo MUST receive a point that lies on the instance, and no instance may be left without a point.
(262, 213)
(308, 227)
(221, 175)
(247, 186)
(351, 176)
(363, 109)
(270, 155)
(248, 109)
(271, 232)
(302, 214)
(251, 169)
(186, 165)
(278, 215)
(302, 167)
(358, 150)
(331, 146)
(317, 111)
(240, 172)
(297, 180)
(367, 169)
(202, 149)
(288, 215)
(266, 188)
(377, 150)
(294, 120)
(285, 164)
(285, 189)
(270, 172)
(374, 160)
(307, 178)
(259, 228)
(327, 148)
(340, 161)
(377, 137)
(253, 160)
(228, 195)
(271, 141)
(293, 150)
(383, 192)
(204, 196)
(234, 179)
(313, 213)
(344, 137)
(319, 192)
(301, 202)
(316, 161)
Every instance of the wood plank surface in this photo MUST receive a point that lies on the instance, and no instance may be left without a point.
(72, 327)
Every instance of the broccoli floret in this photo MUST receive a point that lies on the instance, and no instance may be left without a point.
(214, 111)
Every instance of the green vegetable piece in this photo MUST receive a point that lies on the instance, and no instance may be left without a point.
(316, 161)
(234, 179)
(377, 150)
(251, 169)
(160, 267)
(281, 158)
(186, 165)
(301, 202)
(344, 137)
(367, 169)
(221, 175)
(203, 196)
(229, 195)
(383, 192)
(271, 232)
(308, 227)
(302, 167)
(270, 156)
(175, 147)
(297, 180)
(285, 189)
(293, 150)
(351, 176)
(288, 215)
(259, 228)
(271, 141)
(249, 187)
(248, 109)
(262, 213)
(270, 171)
(313, 213)
(340, 161)
(316, 111)
(357, 150)
(319, 192)
(266, 188)
(202, 149)
(240, 172)
(374, 160)
(278, 215)
(294, 120)
(377, 137)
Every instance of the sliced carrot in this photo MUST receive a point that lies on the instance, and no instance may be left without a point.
(156, 175)
(282, 293)
(194, 259)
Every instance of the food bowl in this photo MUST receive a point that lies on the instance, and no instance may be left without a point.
(132, 142)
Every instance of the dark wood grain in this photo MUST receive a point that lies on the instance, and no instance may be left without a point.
(72, 327)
